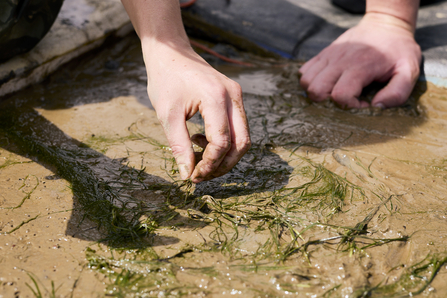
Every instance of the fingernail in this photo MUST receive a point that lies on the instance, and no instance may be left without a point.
(183, 170)
(380, 105)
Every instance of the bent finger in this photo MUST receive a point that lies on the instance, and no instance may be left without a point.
(396, 92)
(348, 88)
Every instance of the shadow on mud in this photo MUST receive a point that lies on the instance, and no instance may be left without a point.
(113, 202)
(122, 205)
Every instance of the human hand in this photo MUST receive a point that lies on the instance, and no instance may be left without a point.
(180, 83)
(381, 48)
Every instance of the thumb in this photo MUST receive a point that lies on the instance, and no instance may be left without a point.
(180, 143)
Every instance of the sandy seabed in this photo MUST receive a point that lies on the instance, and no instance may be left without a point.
(327, 203)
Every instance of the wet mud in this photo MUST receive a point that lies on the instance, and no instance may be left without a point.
(327, 203)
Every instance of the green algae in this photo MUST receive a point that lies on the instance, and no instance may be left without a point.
(102, 143)
(289, 218)
(36, 290)
(280, 213)
(136, 276)
(27, 194)
(10, 162)
(22, 224)
(414, 281)
(298, 224)
(97, 197)
(127, 223)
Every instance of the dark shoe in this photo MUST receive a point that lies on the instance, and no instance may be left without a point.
(351, 6)
(359, 6)
(24, 23)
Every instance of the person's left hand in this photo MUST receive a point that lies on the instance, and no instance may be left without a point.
(381, 49)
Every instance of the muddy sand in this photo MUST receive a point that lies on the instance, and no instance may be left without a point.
(327, 203)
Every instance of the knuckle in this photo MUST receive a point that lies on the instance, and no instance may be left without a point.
(223, 145)
(219, 90)
(244, 145)
(177, 150)
(235, 88)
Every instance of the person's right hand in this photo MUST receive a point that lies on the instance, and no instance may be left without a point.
(180, 83)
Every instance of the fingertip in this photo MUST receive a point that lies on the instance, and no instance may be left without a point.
(184, 157)
(363, 104)
(346, 102)
(303, 82)
(197, 180)
(184, 171)
(349, 102)
(319, 90)
(179, 141)
(196, 176)
(185, 162)
(310, 70)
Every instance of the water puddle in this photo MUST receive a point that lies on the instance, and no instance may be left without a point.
(327, 203)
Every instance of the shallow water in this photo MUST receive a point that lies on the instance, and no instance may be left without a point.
(327, 203)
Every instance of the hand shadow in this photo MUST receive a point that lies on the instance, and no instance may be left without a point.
(112, 202)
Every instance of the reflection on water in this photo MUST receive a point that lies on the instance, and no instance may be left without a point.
(327, 202)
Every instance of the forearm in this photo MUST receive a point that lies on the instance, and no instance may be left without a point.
(156, 20)
(402, 13)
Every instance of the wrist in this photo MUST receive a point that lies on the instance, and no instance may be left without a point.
(386, 20)
(155, 49)
(397, 13)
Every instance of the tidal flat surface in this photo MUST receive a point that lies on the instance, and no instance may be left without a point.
(327, 203)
